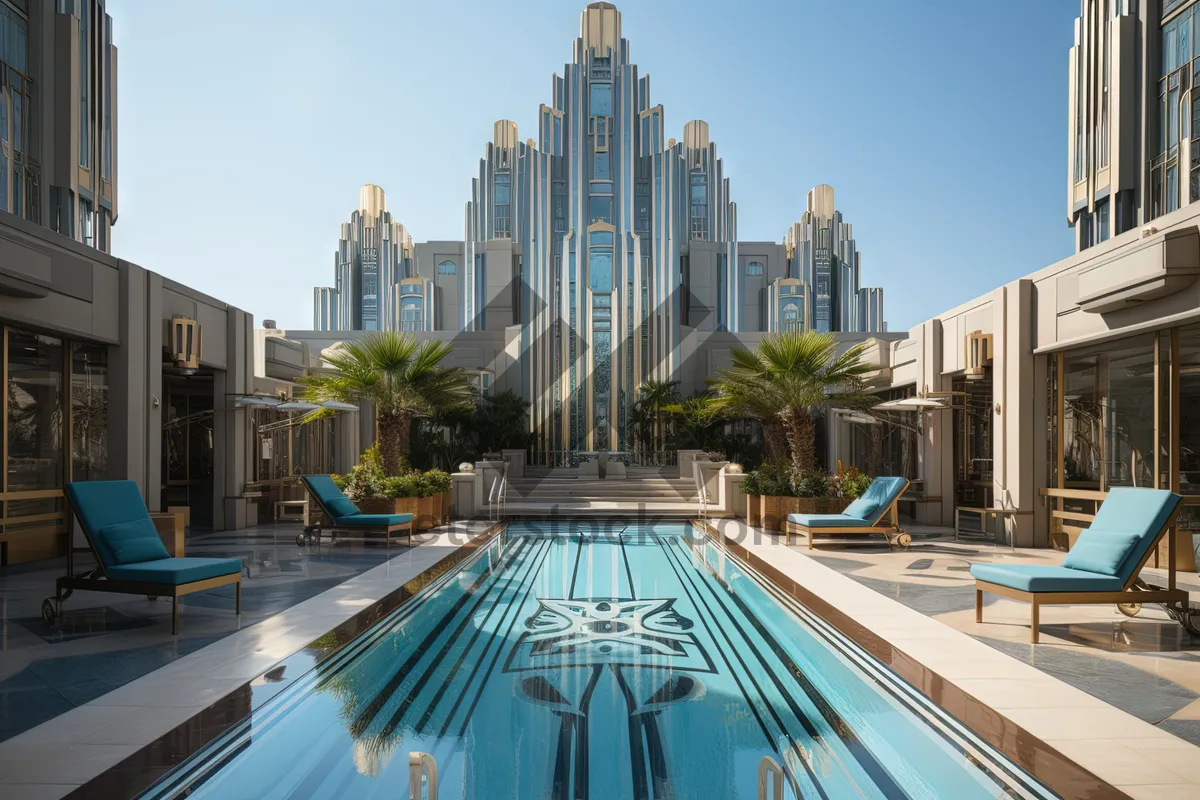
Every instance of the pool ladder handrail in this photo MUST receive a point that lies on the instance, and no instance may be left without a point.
(767, 768)
(423, 765)
(701, 492)
(498, 496)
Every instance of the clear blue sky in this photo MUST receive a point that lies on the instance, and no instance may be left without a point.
(248, 126)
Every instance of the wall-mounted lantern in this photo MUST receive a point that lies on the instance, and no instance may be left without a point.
(978, 347)
(183, 342)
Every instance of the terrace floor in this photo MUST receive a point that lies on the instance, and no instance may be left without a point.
(108, 640)
(1147, 665)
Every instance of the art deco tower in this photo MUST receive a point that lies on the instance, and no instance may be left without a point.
(583, 239)
(376, 286)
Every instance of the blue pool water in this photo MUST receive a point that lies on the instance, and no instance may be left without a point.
(638, 662)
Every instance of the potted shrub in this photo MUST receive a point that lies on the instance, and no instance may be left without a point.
(427, 514)
(777, 497)
(752, 490)
(402, 496)
(440, 483)
(814, 495)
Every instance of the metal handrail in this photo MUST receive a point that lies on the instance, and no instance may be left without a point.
(421, 765)
(769, 768)
(498, 496)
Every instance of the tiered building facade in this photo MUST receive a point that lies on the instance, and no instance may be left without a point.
(598, 246)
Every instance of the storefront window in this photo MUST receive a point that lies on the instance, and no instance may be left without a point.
(1129, 413)
(35, 411)
(89, 412)
(1189, 428)
(1082, 455)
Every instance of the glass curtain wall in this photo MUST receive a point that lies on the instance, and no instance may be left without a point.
(1127, 413)
(56, 398)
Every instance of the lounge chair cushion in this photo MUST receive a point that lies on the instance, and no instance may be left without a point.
(129, 543)
(826, 521)
(876, 499)
(175, 571)
(1142, 511)
(1102, 552)
(330, 496)
(1045, 578)
(99, 504)
(374, 520)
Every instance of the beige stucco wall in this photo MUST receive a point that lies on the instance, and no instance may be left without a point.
(1029, 319)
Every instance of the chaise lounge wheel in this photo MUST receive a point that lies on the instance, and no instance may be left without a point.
(1129, 609)
(301, 539)
(48, 613)
(904, 540)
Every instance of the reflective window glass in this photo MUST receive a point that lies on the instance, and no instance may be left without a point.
(35, 411)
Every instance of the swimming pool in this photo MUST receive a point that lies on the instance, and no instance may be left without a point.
(607, 662)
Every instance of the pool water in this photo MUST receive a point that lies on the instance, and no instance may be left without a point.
(614, 662)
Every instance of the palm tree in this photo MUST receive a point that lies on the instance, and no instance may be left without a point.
(501, 421)
(697, 418)
(655, 397)
(785, 379)
(401, 376)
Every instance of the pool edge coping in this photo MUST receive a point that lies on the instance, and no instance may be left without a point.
(131, 775)
(1021, 742)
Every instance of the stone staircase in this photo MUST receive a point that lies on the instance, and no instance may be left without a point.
(644, 492)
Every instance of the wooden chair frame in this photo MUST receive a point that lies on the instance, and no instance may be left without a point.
(1131, 593)
(895, 535)
(314, 530)
(95, 581)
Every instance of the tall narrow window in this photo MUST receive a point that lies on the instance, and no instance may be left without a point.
(84, 109)
(4, 152)
(1105, 68)
(106, 164)
(601, 97)
(89, 412)
(35, 423)
(86, 223)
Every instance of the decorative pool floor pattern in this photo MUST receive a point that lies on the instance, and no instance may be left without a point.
(633, 662)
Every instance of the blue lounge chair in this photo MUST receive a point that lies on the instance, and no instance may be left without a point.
(343, 515)
(1102, 566)
(864, 515)
(130, 556)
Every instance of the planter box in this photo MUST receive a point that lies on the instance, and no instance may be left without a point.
(820, 505)
(775, 510)
(445, 507)
(429, 512)
(389, 505)
(753, 511)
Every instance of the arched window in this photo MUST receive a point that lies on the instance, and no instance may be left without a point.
(754, 268)
(447, 268)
